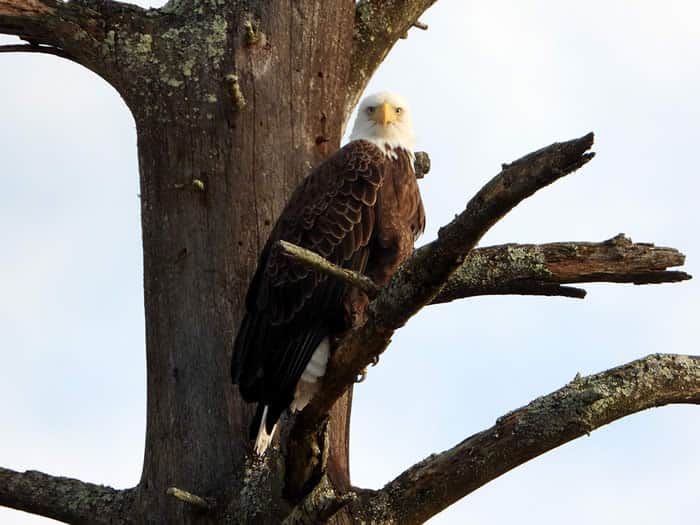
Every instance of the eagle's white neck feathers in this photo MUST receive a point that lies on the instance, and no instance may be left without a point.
(396, 133)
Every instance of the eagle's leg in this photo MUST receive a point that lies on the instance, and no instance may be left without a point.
(355, 304)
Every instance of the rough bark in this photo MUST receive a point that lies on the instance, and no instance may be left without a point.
(585, 404)
(65, 499)
(84, 31)
(201, 241)
(233, 103)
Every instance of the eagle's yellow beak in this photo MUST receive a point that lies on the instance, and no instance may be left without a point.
(385, 114)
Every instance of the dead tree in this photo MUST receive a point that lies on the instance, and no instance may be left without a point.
(234, 102)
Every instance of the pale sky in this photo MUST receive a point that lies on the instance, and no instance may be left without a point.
(489, 82)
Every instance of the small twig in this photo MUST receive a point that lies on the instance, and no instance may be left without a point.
(189, 498)
(315, 261)
(252, 36)
(236, 92)
(421, 165)
(420, 25)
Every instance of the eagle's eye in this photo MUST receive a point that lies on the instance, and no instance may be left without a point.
(399, 111)
(370, 110)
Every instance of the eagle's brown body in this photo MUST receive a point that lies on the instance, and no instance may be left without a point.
(360, 209)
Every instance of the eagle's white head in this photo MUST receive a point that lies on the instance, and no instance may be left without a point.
(384, 119)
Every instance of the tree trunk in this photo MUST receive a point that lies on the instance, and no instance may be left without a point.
(234, 103)
(221, 147)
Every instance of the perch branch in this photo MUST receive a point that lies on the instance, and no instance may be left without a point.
(422, 276)
(378, 26)
(64, 499)
(580, 407)
(315, 261)
(529, 269)
(189, 498)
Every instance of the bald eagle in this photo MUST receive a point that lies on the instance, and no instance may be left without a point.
(360, 209)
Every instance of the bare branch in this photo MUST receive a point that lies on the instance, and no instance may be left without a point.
(378, 25)
(528, 269)
(423, 275)
(83, 31)
(189, 498)
(64, 499)
(315, 261)
(548, 422)
(41, 21)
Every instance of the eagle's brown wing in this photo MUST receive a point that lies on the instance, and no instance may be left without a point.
(291, 308)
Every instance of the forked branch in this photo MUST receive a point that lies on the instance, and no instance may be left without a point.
(64, 499)
(580, 407)
(422, 276)
(531, 269)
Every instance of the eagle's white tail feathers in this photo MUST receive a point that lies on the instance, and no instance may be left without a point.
(263, 439)
(308, 384)
(305, 390)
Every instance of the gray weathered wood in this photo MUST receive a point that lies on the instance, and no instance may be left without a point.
(585, 404)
